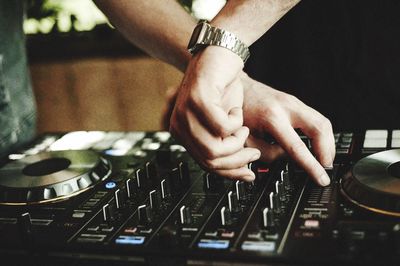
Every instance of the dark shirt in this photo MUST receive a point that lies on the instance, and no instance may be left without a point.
(340, 57)
(17, 108)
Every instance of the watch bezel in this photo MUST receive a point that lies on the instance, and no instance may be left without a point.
(197, 37)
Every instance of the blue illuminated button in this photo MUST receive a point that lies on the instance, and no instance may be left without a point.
(111, 185)
(213, 244)
(130, 240)
(262, 246)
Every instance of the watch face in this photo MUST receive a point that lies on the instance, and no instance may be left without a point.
(197, 36)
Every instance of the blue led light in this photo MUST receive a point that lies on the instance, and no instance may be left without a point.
(213, 244)
(111, 185)
(130, 240)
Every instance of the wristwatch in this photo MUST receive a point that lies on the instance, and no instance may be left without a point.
(204, 34)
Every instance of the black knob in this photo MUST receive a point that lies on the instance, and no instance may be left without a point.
(233, 202)
(145, 215)
(285, 179)
(25, 228)
(280, 191)
(175, 178)
(141, 178)
(155, 199)
(268, 218)
(165, 189)
(185, 215)
(226, 218)
(108, 211)
(120, 198)
(184, 173)
(241, 190)
(151, 171)
(274, 202)
(129, 187)
(212, 182)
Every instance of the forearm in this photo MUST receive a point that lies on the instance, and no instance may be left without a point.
(250, 19)
(160, 28)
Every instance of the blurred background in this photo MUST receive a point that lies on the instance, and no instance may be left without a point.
(86, 76)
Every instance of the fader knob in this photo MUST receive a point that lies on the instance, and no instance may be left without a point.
(155, 200)
(226, 218)
(25, 227)
(184, 173)
(241, 190)
(274, 202)
(151, 170)
(145, 215)
(285, 179)
(185, 215)
(268, 218)
(280, 191)
(120, 198)
(140, 178)
(108, 212)
(233, 203)
(175, 178)
(129, 187)
(165, 189)
(212, 182)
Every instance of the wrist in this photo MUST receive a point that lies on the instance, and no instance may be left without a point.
(205, 35)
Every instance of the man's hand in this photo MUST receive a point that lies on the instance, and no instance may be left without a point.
(208, 115)
(270, 111)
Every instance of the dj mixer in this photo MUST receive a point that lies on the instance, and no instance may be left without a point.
(132, 198)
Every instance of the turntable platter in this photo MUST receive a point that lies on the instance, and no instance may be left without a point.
(374, 183)
(50, 176)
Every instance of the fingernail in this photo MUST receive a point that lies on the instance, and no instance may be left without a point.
(256, 156)
(324, 180)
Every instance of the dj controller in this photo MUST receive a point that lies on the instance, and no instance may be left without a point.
(133, 198)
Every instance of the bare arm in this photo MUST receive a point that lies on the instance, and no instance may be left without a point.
(208, 114)
(249, 20)
(160, 28)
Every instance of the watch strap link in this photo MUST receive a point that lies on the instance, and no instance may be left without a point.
(223, 38)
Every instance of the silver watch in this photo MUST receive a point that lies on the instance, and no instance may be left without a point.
(204, 34)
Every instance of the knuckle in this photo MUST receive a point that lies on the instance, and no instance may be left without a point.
(322, 126)
(297, 147)
(212, 152)
(211, 164)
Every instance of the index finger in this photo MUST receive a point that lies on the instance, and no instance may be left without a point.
(298, 151)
